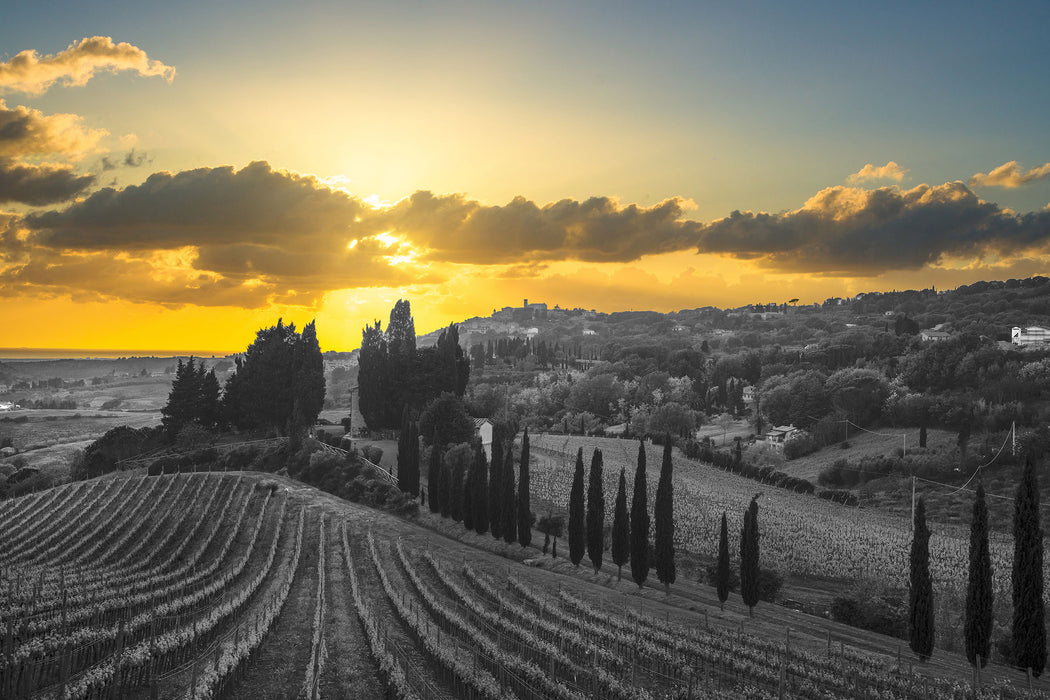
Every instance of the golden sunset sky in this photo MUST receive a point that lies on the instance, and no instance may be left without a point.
(179, 176)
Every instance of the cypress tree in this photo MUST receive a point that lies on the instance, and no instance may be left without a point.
(722, 574)
(469, 506)
(444, 489)
(434, 478)
(749, 571)
(979, 595)
(403, 451)
(496, 483)
(577, 527)
(1029, 633)
(640, 522)
(920, 598)
(523, 507)
(621, 532)
(595, 512)
(663, 514)
(457, 477)
(508, 521)
(480, 500)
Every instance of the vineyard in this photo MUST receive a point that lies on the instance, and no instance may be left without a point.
(251, 586)
(801, 534)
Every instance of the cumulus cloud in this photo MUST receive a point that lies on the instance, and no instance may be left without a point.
(872, 173)
(28, 132)
(848, 231)
(30, 73)
(1010, 175)
(37, 185)
(456, 229)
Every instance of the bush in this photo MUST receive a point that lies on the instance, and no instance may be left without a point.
(770, 581)
(800, 445)
(839, 496)
(112, 404)
(372, 453)
(878, 611)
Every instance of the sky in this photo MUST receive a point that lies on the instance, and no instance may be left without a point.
(180, 175)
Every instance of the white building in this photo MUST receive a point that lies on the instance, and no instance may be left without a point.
(1032, 335)
(483, 429)
(932, 336)
(776, 437)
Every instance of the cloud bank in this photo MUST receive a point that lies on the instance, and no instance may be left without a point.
(255, 235)
(1011, 176)
(30, 73)
(26, 132)
(37, 185)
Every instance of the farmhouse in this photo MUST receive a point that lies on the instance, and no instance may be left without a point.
(776, 437)
(749, 394)
(483, 429)
(1032, 335)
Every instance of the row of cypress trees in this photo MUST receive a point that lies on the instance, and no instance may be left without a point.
(1028, 632)
(630, 533)
(484, 497)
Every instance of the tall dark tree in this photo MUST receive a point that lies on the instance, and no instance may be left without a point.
(401, 360)
(434, 478)
(577, 525)
(596, 512)
(446, 419)
(480, 484)
(621, 529)
(457, 476)
(210, 407)
(722, 573)
(372, 377)
(444, 490)
(920, 596)
(496, 483)
(454, 362)
(663, 514)
(979, 595)
(508, 518)
(1029, 631)
(524, 509)
(408, 456)
(183, 399)
(308, 387)
(749, 556)
(640, 522)
(469, 506)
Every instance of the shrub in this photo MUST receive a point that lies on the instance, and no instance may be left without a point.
(372, 453)
(112, 404)
(878, 611)
(800, 445)
(770, 582)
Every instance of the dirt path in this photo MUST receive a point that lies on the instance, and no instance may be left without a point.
(278, 669)
(350, 671)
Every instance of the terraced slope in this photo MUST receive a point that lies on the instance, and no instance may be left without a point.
(252, 586)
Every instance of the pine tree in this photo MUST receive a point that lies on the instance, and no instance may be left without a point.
(577, 526)
(508, 522)
(640, 522)
(307, 378)
(496, 484)
(182, 399)
(480, 500)
(663, 514)
(596, 512)
(723, 571)
(979, 594)
(920, 598)
(373, 373)
(621, 530)
(749, 569)
(1029, 632)
(210, 411)
(524, 510)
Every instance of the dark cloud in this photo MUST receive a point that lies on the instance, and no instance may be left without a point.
(851, 231)
(456, 229)
(38, 185)
(207, 206)
(131, 159)
(30, 132)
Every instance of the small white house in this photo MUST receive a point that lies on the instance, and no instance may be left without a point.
(776, 437)
(483, 429)
(1032, 335)
(589, 331)
(749, 394)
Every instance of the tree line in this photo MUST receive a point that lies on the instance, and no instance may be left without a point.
(394, 374)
